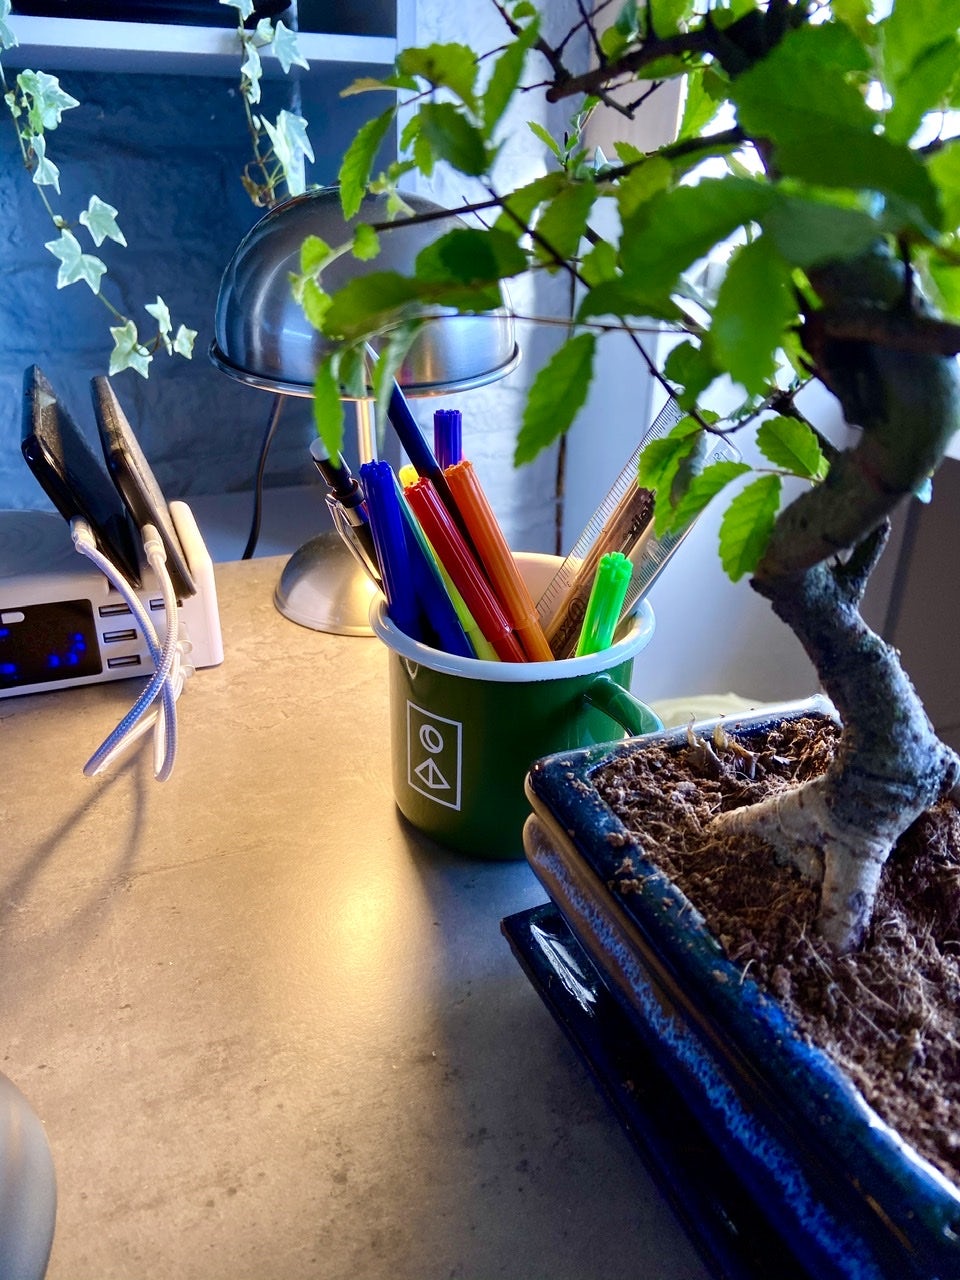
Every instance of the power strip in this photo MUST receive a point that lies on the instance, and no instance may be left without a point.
(61, 622)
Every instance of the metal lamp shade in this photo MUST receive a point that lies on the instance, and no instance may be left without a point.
(263, 337)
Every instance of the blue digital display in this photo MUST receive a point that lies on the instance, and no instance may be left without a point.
(41, 643)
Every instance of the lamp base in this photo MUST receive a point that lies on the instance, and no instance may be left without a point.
(323, 587)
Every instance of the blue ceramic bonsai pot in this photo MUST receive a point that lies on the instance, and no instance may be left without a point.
(848, 1198)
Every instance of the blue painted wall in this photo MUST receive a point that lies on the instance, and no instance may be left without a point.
(167, 151)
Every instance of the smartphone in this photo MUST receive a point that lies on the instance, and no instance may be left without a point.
(71, 474)
(136, 483)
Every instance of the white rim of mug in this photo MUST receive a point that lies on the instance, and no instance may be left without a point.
(642, 624)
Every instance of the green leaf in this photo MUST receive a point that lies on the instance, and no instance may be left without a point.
(366, 84)
(505, 78)
(546, 138)
(447, 66)
(127, 352)
(100, 219)
(453, 138)
(703, 488)
(923, 88)
(699, 105)
(863, 161)
(287, 48)
(161, 313)
(808, 230)
(393, 350)
(754, 306)
(658, 463)
(690, 367)
(359, 159)
(627, 299)
(673, 229)
(315, 303)
(74, 263)
(328, 407)
(470, 255)
(746, 526)
(366, 242)
(7, 38)
(913, 27)
(600, 263)
(558, 393)
(644, 181)
(563, 222)
(520, 205)
(791, 444)
(944, 167)
(314, 255)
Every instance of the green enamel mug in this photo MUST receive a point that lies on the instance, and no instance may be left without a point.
(464, 731)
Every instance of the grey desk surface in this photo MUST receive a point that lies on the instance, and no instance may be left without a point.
(271, 1034)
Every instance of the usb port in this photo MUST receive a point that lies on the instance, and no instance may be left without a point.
(156, 605)
(128, 660)
(115, 637)
(117, 610)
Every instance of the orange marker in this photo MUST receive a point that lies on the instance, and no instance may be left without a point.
(497, 560)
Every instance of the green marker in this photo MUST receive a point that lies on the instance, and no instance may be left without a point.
(606, 600)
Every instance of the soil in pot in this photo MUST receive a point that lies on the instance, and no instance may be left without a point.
(887, 1013)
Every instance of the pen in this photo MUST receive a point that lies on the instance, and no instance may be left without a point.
(390, 541)
(346, 505)
(497, 560)
(456, 558)
(606, 600)
(626, 532)
(447, 437)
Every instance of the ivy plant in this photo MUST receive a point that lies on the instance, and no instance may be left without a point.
(815, 158)
(36, 102)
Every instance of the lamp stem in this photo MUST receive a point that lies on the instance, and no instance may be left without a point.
(366, 440)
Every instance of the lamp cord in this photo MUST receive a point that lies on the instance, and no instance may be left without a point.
(256, 520)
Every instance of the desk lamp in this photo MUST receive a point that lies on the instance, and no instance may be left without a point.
(263, 338)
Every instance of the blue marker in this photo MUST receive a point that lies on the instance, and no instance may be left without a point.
(432, 591)
(448, 437)
(390, 542)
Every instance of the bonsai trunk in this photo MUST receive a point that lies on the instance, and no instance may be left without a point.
(839, 829)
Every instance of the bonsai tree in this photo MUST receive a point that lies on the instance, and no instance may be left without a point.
(835, 192)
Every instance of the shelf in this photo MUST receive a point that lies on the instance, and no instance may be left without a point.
(78, 44)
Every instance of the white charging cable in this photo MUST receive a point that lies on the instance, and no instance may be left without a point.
(166, 683)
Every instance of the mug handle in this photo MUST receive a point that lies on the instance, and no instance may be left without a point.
(634, 716)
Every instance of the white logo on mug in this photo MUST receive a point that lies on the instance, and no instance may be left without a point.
(434, 755)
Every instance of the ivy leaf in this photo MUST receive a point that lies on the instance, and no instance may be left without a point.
(290, 143)
(453, 138)
(7, 38)
(791, 444)
(746, 526)
(287, 48)
(47, 100)
(359, 159)
(328, 407)
(558, 393)
(251, 71)
(127, 352)
(754, 306)
(447, 66)
(74, 263)
(183, 341)
(45, 173)
(161, 313)
(244, 7)
(100, 219)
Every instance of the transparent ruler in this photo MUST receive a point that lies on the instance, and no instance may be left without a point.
(622, 522)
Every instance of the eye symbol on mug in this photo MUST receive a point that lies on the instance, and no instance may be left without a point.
(434, 756)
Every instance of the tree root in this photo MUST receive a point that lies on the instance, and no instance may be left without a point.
(803, 832)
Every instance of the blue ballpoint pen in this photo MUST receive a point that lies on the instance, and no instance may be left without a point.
(388, 527)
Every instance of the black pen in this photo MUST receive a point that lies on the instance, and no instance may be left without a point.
(347, 508)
